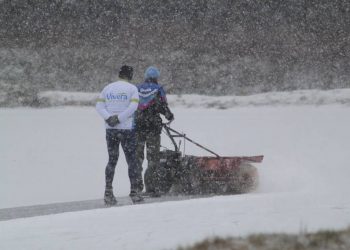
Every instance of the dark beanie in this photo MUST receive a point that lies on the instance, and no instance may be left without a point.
(126, 72)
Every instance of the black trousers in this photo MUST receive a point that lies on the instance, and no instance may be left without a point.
(150, 139)
(127, 139)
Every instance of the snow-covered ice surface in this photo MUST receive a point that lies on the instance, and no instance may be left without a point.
(59, 154)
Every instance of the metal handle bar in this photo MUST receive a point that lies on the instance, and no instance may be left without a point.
(178, 134)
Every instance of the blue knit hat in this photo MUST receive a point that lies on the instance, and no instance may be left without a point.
(152, 73)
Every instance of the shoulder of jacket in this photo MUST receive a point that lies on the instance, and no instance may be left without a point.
(156, 85)
(133, 86)
(109, 85)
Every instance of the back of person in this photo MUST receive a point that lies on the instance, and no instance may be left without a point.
(149, 126)
(117, 104)
(152, 103)
(117, 97)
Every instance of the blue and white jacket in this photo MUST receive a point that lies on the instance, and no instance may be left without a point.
(149, 94)
(152, 103)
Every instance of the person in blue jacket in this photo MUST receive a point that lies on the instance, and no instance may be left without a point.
(152, 104)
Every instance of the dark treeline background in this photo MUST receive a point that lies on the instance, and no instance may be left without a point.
(201, 46)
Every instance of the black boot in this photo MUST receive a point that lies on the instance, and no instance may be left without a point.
(109, 198)
(155, 194)
(136, 196)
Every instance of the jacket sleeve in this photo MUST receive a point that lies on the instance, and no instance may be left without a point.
(101, 106)
(163, 105)
(134, 102)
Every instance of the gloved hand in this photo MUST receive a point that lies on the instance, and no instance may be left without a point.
(169, 117)
(112, 121)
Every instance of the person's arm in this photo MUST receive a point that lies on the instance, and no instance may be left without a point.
(101, 106)
(163, 105)
(134, 102)
(166, 112)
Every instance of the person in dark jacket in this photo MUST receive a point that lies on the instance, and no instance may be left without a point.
(152, 104)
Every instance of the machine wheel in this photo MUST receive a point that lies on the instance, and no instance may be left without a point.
(160, 179)
(187, 177)
(165, 178)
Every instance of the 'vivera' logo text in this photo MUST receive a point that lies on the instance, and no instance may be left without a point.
(117, 97)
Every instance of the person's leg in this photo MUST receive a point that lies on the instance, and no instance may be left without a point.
(140, 155)
(135, 172)
(113, 155)
(153, 157)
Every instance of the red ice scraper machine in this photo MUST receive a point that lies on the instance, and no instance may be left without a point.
(187, 174)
